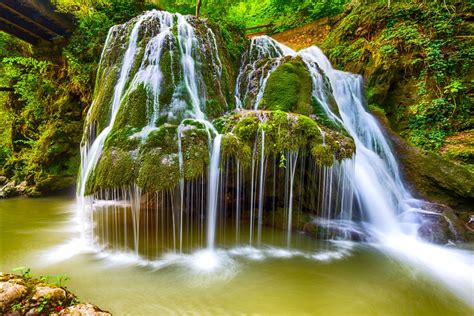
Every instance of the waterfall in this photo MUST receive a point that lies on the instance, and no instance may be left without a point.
(207, 199)
(376, 181)
(213, 192)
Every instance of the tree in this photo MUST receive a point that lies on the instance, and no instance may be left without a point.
(198, 7)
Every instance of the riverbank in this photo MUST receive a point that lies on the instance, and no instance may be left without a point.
(24, 295)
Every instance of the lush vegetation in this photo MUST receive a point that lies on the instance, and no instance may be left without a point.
(417, 57)
(283, 14)
(47, 90)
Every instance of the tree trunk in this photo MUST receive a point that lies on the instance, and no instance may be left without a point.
(198, 7)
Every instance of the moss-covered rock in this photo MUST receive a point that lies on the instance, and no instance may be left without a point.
(284, 132)
(116, 168)
(289, 88)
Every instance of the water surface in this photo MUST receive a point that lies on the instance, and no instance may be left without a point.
(326, 279)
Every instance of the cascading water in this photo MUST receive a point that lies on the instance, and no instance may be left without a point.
(176, 62)
(376, 179)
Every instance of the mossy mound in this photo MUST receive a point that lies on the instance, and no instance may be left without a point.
(284, 132)
(151, 160)
(289, 88)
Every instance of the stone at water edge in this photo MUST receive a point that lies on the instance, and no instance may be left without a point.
(8, 190)
(10, 292)
(27, 296)
(54, 294)
(83, 309)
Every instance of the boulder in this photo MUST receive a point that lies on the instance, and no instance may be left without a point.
(52, 293)
(439, 224)
(9, 293)
(8, 190)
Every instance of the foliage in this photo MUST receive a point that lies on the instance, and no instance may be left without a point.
(41, 116)
(417, 59)
(24, 272)
(284, 14)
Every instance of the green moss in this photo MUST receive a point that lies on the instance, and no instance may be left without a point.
(100, 112)
(195, 152)
(116, 168)
(169, 65)
(246, 127)
(215, 108)
(158, 171)
(232, 146)
(323, 119)
(289, 88)
(284, 132)
(122, 139)
(134, 109)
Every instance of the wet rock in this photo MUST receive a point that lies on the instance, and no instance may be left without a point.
(84, 309)
(53, 294)
(440, 224)
(8, 190)
(9, 293)
(22, 188)
(430, 176)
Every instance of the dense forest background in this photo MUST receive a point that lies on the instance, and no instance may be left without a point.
(416, 56)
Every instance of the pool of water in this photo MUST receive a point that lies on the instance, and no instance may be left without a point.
(320, 278)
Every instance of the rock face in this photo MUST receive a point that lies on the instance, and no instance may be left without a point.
(22, 295)
(431, 176)
(447, 185)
